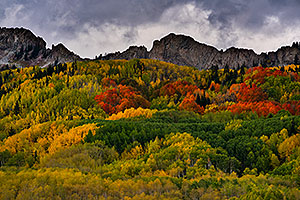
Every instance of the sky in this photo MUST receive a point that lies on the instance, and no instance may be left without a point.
(94, 27)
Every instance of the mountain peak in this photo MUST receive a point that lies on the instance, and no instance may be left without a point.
(131, 53)
(185, 50)
(21, 47)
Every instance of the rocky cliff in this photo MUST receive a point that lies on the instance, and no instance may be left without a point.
(184, 50)
(131, 53)
(21, 47)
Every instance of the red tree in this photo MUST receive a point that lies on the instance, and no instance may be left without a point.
(107, 82)
(251, 94)
(257, 74)
(262, 108)
(181, 88)
(120, 98)
(189, 103)
(293, 107)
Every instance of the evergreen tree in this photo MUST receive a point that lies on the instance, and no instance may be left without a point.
(243, 69)
(226, 69)
(17, 108)
(296, 60)
(214, 74)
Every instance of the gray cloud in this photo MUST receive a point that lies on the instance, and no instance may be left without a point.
(92, 27)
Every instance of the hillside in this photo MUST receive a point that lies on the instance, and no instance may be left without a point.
(147, 129)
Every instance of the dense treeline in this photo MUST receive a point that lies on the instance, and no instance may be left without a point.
(145, 129)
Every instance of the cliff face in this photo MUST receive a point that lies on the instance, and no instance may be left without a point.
(21, 47)
(131, 53)
(184, 50)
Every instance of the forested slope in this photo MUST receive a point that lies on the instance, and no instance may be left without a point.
(145, 129)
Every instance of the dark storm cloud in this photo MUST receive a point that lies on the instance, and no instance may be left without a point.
(71, 20)
(66, 17)
(251, 14)
(94, 12)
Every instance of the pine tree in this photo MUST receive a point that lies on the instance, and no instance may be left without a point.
(296, 60)
(17, 108)
(214, 74)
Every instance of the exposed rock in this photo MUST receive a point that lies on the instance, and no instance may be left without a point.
(184, 50)
(131, 53)
(21, 47)
(62, 54)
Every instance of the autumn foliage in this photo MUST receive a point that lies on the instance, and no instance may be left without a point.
(214, 87)
(107, 82)
(120, 98)
(131, 113)
(189, 104)
(293, 107)
(182, 88)
(262, 108)
(258, 74)
(146, 129)
(251, 93)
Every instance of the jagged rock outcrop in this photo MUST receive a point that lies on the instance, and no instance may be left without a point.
(184, 50)
(21, 47)
(131, 53)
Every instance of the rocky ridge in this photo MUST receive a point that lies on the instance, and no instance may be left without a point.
(184, 50)
(21, 47)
